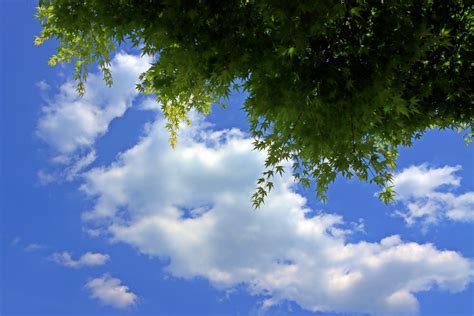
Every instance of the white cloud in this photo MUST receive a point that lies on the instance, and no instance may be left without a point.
(88, 259)
(110, 291)
(34, 247)
(70, 124)
(150, 104)
(70, 172)
(192, 205)
(42, 85)
(425, 193)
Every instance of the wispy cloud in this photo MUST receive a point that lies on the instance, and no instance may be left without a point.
(34, 247)
(15, 241)
(42, 85)
(426, 193)
(110, 291)
(88, 259)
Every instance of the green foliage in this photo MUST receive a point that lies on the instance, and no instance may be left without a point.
(334, 86)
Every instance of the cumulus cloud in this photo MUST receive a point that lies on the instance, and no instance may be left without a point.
(110, 291)
(88, 259)
(191, 205)
(70, 124)
(426, 194)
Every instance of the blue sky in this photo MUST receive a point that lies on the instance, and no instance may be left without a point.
(101, 217)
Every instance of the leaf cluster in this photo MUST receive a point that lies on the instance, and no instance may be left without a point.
(335, 87)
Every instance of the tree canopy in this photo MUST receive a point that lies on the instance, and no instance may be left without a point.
(335, 87)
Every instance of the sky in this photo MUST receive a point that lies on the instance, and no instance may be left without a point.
(99, 216)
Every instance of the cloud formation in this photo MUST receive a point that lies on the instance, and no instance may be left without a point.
(34, 247)
(110, 291)
(88, 259)
(192, 206)
(426, 194)
(70, 124)
(42, 85)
